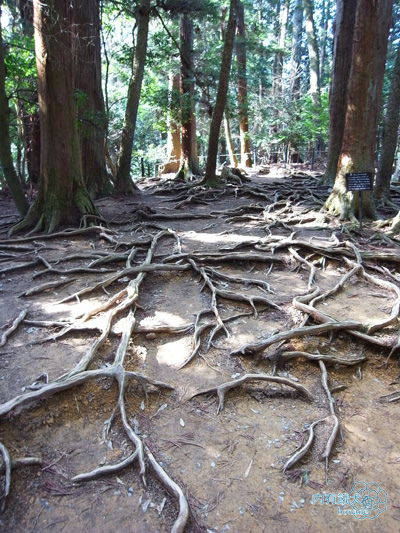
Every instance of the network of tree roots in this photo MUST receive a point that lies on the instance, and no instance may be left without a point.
(251, 279)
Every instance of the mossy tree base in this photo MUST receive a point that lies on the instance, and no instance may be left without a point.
(49, 215)
(345, 205)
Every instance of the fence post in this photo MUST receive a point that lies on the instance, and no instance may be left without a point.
(142, 166)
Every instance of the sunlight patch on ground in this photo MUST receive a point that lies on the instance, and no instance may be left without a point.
(173, 353)
(216, 238)
(161, 318)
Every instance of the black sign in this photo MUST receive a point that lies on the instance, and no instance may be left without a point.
(359, 181)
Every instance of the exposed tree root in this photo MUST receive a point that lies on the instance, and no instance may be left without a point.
(7, 482)
(270, 251)
(224, 387)
(300, 453)
(257, 348)
(331, 440)
(13, 327)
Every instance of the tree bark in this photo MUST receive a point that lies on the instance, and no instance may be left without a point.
(6, 161)
(245, 157)
(295, 64)
(370, 39)
(62, 197)
(219, 108)
(124, 182)
(174, 131)
(342, 56)
(389, 141)
(91, 109)
(189, 157)
(229, 142)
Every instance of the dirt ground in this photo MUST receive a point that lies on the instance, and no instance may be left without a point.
(228, 261)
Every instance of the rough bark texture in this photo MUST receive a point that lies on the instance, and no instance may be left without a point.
(31, 126)
(295, 65)
(5, 151)
(124, 182)
(62, 197)
(174, 131)
(30, 119)
(91, 110)
(220, 103)
(370, 39)
(229, 142)
(389, 141)
(245, 157)
(189, 160)
(342, 54)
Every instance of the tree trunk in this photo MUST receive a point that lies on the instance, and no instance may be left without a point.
(124, 182)
(6, 161)
(189, 160)
(91, 110)
(313, 54)
(325, 17)
(62, 196)
(31, 124)
(389, 141)
(295, 64)
(174, 131)
(342, 56)
(245, 158)
(219, 108)
(279, 56)
(370, 38)
(229, 142)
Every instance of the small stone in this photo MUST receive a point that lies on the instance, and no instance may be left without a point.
(150, 336)
(32, 500)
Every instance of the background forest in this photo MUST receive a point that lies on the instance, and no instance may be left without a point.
(277, 106)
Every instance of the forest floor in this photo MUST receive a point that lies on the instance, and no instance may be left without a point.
(213, 287)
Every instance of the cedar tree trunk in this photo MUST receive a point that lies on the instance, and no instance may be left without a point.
(62, 196)
(295, 64)
(229, 142)
(124, 182)
(6, 161)
(174, 131)
(218, 113)
(189, 157)
(370, 39)
(245, 158)
(389, 141)
(91, 110)
(313, 54)
(342, 54)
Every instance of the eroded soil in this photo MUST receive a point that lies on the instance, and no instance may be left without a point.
(228, 463)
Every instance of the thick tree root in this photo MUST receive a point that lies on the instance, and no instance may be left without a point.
(224, 387)
(7, 483)
(13, 327)
(257, 348)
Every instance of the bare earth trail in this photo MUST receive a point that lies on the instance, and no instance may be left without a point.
(229, 350)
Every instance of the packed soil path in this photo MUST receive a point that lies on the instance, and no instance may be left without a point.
(233, 352)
